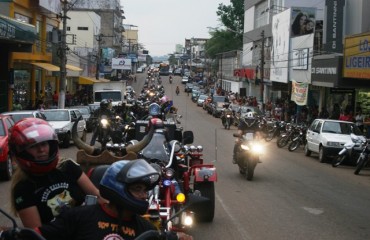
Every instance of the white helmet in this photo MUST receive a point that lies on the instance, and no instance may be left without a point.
(249, 115)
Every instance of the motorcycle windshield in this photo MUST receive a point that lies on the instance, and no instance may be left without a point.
(157, 149)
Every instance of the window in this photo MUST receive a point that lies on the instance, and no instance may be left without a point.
(261, 15)
(83, 28)
(68, 28)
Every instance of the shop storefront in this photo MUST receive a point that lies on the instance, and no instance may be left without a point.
(15, 36)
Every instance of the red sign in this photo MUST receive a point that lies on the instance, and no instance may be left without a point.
(248, 73)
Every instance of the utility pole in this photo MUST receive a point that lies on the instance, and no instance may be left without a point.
(63, 58)
(262, 69)
(98, 56)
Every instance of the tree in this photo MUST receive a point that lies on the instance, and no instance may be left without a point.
(231, 37)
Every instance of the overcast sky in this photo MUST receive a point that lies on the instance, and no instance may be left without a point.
(164, 23)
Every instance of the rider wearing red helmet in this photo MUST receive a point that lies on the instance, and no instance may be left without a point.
(43, 186)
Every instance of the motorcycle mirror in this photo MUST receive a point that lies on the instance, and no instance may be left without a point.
(188, 137)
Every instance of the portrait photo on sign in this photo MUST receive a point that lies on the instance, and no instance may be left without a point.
(303, 21)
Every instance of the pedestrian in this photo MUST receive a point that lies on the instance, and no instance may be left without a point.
(17, 106)
(359, 120)
(55, 98)
(43, 185)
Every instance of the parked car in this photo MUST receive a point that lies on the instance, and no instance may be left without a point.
(188, 87)
(6, 164)
(93, 107)
(327, 137)
(184, 79)
(18, 115)
(62, 121)
(139, 70)
(201, 99)
(87, 116)
(177, 71)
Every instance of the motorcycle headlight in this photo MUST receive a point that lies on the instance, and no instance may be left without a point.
(187, 218)
(245, 147)
(169, 173)
(257, 148)
(193, 148)
(228, 115)
(200, 148)
(104, 122)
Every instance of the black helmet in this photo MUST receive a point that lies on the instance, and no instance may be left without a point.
(104, 104)
(117, 178)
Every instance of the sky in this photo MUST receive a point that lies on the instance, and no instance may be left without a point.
(164, 23)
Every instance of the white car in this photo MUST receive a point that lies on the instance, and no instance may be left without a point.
(62, 121)
(327, 137)
(184, 80)
(139, 70)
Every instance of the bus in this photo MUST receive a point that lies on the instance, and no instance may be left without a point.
(164, 69)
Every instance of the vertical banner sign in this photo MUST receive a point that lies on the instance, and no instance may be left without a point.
(299, 93)
(333, 26)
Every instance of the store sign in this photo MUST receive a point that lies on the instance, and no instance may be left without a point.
(248, 73)
(333, 26)
(13, 30)
(328, 70)
(357, 56)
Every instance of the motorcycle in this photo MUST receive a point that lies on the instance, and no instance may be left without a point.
(299, 140)
(227, 118)
(277, 129)
(363, 159)
(170, 80)
(104, 130)
(248, 154)
(350, 150)
(177, 91)
(291, 133)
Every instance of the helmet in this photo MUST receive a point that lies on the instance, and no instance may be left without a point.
(120, 175)
(104, 104)
(164, 99)
(27, 133)
(154, 109)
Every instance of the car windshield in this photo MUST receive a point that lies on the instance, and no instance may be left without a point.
(17, 117)
(219, 98)
(340, 128)
(114, 96)
(84, 111)
(202, 97)
(56, 115)
(2, 129)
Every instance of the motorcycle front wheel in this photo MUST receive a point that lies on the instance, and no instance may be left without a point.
(335, 162)
(293, 146)
(282, 142)
(269, 136)
(361, 164)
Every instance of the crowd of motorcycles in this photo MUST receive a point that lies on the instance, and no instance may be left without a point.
(186, 192)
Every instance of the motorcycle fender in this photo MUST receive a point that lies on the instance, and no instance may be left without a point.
(203, 174)
(342, 151)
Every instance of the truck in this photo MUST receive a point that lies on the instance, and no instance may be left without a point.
(113, 91)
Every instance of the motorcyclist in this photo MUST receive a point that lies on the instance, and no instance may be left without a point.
(103, 110)
(177, 90)
(170, 78)
(248, 123)
(125, 184)
(226, 111)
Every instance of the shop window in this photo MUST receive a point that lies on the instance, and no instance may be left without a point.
(83, 28)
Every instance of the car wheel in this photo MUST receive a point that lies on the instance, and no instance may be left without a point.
(8, 169)
(307, 152)
(322, 156)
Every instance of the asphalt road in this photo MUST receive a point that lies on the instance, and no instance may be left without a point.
(290, 197)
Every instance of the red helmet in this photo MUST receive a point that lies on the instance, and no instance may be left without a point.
(29, 132)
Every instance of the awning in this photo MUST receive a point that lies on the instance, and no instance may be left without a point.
(47, 66)
(73, 68)
(89, 80)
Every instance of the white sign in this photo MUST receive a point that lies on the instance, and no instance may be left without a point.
(51, 5)
(300, 58)
(280, 47)
(121, 63)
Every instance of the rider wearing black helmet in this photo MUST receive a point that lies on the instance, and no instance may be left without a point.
(103, 110)
(248, 123)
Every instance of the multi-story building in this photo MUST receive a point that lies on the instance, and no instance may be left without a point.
(306, 65)
(26, 51)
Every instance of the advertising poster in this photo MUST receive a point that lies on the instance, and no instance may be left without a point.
(299, 93)
(357, 56)
(280, 47)
(303, 21)
(121, 63)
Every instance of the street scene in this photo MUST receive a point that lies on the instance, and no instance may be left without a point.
(259, 131)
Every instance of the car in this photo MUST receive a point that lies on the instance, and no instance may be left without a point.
(177, 72)
(194, 95)
(6, 164)
(62, 121)
(18, 115)
(188, 87)
(327, 137)
(201, 99)
(94, 106)
(87, 115)
(139, 70)
(184, 80)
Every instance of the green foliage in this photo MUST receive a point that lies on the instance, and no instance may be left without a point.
(172, 60)
(230, 38)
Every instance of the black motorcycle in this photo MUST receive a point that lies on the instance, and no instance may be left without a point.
(363, 159)
(227, 118)
(299, 140)
(248, 155)
(104, 130)
(276, 130)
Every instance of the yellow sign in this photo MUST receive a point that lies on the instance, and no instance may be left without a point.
(356, 62)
